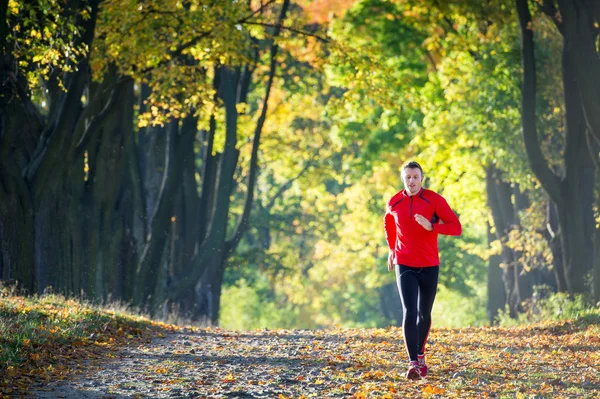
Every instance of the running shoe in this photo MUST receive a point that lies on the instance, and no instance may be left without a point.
(414, 372)
(422, 366)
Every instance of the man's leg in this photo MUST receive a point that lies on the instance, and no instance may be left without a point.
(408, 287)
(428, 281)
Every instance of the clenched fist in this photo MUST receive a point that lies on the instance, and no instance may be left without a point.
(424, 222)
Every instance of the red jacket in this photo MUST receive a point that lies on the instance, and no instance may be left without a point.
(411, 243)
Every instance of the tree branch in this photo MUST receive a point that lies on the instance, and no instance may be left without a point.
(184, 46)
(537, 162)
(288, 28)
(242, 224)
(287, 185)
(97, 120)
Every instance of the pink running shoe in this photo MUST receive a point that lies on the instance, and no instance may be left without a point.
(422, 366)
(414, 372)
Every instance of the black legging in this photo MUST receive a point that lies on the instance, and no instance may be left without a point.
(417, 287)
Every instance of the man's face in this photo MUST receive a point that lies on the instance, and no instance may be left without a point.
(412, 179)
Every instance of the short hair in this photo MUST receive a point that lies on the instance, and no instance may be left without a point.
(412, 165)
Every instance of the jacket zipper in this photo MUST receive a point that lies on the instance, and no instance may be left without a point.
(411, 202)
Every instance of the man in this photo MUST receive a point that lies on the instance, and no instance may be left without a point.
(411, 227)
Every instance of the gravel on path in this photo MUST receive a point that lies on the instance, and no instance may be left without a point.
(215, 363)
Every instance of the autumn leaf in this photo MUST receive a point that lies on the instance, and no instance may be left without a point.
(431, 390)
(537, 351)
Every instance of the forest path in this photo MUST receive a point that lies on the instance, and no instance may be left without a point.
(545, 360)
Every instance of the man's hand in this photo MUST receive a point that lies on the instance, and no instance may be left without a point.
(391, 261)
(424, 222)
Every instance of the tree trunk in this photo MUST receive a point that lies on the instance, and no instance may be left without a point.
(580, 34)
(207, 268)
(186, 231)
(496, 294)
(576, 217)
(20, 127)
(552, 235)
(109, 171)
(149, 266)
(571, 195)
(499, 201)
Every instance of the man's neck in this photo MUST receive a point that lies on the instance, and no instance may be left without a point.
(407, 191)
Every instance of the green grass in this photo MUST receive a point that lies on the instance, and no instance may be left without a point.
(42, 334)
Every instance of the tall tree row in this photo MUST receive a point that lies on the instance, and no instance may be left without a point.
(159, 153)
(97, 204)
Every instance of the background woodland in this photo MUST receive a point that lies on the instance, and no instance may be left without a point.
(228, 162)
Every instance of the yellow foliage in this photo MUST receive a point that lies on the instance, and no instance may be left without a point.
(13, 7)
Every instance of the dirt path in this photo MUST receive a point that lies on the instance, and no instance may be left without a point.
(211, 364)
(543, 361)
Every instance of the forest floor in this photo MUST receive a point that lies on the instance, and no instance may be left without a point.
(126, 359)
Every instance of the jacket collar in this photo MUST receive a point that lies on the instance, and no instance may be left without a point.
(420, 193)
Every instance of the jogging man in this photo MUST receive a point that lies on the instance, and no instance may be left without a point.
(412, 224)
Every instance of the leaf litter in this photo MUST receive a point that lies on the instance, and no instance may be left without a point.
(546, 360)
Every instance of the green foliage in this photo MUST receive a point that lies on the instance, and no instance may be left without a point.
(44, 36)
(462, 268)
(380, 74)
(402, 95)
(175, 46)
(457, 309)
(255, 306)
(552, 306)
(427, 80)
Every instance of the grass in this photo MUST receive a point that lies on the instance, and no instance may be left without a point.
(41, 336)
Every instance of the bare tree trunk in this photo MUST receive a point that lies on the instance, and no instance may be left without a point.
(20, 126)
(577, 20)
(149, 266)
(552, 235)
(109, 171)
(496, 293)
(207, 268)
(186, 230)
(571, 194)
(576, 217)
(499, 201)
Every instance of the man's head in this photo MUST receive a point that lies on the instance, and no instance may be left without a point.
(412, 177)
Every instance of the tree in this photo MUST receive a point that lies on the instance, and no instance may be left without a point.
(572, 194)
(92, 212)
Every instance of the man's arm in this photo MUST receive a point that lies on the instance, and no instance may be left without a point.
(390, 230)
(390, 235)
(451, 225)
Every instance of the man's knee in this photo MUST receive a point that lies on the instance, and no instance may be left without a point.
(410, 317)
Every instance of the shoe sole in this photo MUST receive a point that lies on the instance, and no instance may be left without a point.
(413, 374)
